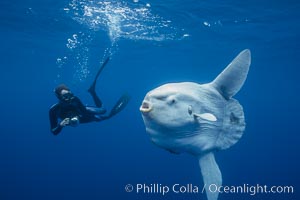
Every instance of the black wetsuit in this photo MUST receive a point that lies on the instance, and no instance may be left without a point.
(73, 108)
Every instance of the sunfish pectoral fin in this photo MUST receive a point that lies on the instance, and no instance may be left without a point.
(205, 116)
(211, 174)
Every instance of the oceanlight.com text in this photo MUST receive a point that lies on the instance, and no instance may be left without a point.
(163, 189)
(251, 189)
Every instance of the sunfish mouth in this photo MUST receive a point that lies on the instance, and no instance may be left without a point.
(145, 107)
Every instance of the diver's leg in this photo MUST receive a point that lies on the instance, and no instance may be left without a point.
(119, 106)
(92, 89)
(96, 99)
(95, 110)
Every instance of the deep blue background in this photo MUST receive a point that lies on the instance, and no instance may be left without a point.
(96, 161)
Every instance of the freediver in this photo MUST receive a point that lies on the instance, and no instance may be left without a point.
(70, 111)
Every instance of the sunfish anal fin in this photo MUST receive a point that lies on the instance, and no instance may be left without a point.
(211, 174)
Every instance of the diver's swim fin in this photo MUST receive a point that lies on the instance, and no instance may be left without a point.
(120, 105)
(93, 86)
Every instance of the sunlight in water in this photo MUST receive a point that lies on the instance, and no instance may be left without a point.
(78, 57)
(120, 20)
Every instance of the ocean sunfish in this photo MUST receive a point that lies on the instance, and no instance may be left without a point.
(199, 119)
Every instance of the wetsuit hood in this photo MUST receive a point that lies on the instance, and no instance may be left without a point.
(58, 90)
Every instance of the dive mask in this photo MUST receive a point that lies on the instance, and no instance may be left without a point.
(67, 96)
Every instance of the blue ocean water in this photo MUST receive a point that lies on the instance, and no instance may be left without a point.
(44, 43)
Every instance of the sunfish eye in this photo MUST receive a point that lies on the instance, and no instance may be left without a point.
(190, 110)
(171, 101)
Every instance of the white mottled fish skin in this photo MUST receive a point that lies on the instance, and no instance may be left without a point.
(199, 118)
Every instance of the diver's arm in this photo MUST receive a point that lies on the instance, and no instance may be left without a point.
(55, 126)
(56, 130)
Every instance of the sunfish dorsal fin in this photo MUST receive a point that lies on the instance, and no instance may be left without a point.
(211, 174)
(232, 78)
